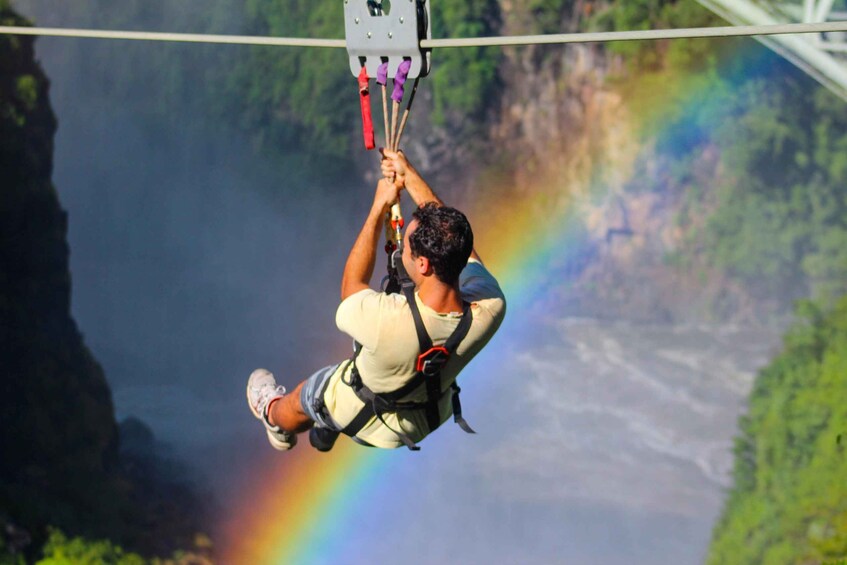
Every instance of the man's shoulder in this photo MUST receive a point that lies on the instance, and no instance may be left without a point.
(370, 301)
(364, 314)
(478, 284)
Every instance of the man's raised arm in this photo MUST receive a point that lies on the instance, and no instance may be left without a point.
(360, 263)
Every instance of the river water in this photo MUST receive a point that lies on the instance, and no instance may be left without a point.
(608, 442)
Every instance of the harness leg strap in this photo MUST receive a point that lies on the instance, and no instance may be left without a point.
(362, 418)
(457, 410)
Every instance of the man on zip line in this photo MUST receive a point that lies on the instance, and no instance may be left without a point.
(398, 387)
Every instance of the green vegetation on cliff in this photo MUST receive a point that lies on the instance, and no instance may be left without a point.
(789, 500)
(464, 80)
(61, 550)
(781, 219)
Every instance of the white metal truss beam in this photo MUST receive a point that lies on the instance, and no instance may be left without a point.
(822, 55)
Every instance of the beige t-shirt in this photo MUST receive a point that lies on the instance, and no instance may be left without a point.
(383, 325)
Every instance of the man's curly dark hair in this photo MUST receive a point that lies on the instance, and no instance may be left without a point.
(443, 236)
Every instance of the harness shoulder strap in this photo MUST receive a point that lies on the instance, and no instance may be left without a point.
(424, 341)
(431, 378)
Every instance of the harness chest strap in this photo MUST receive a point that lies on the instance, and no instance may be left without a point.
(428, 372)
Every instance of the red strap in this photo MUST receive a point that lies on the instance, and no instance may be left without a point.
(365, 101)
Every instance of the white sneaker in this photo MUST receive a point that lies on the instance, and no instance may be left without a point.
(261, 389)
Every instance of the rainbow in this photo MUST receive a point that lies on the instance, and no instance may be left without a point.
(306, 505)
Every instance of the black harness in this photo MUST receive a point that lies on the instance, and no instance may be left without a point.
(428, 369)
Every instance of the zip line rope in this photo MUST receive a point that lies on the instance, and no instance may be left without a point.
(589, 37)
(172, 37)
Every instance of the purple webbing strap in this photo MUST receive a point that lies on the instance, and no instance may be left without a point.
(400, 80)
(382, 74)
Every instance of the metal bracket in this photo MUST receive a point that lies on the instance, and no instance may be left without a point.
(374, 37)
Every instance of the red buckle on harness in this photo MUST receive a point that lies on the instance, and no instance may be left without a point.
(431, 362)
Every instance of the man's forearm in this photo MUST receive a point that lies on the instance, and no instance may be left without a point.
(421, 193)
(360, 262)
(418, 188)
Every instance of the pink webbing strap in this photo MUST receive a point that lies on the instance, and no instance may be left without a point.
(365, 102)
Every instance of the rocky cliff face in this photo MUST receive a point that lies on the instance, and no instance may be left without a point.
(60, 462)
(56, 411)
(55, 399)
